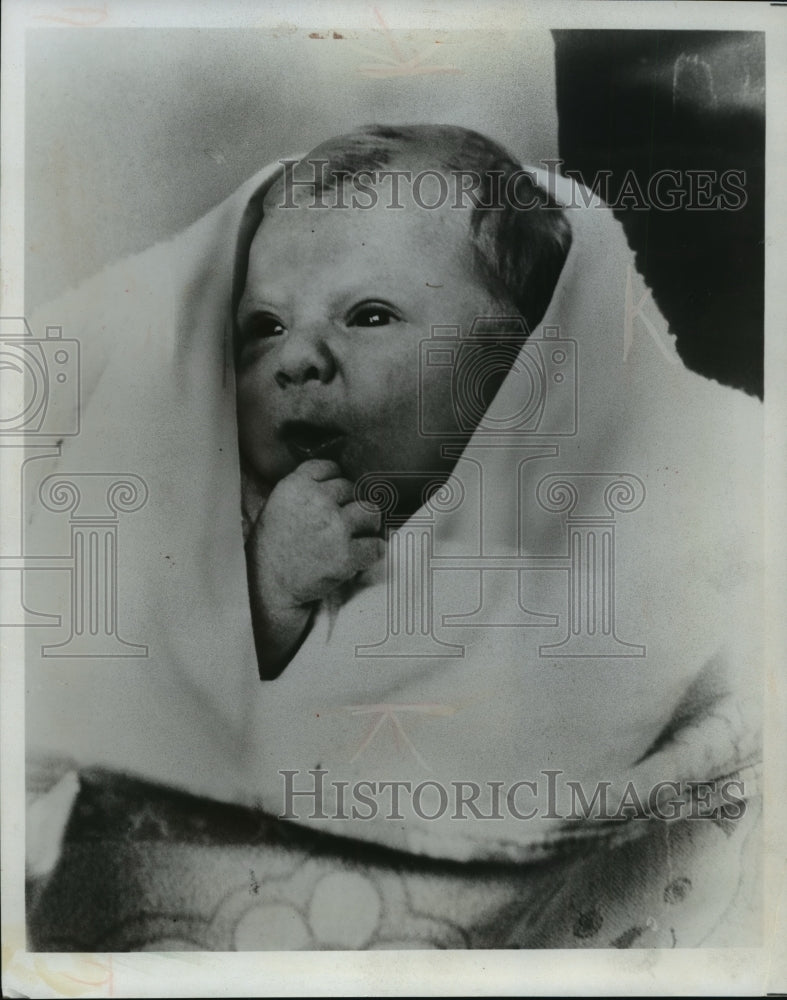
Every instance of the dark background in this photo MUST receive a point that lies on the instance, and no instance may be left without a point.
(681, 100)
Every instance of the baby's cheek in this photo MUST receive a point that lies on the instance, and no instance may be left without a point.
(436, 407)
(262, 454)
(254, 410)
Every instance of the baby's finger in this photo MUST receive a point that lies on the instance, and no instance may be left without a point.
(365, 552)
(319, 469)
(360, 520)
(340, 490)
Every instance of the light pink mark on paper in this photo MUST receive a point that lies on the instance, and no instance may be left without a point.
(78, 17)
(390, 713)
(399, 64)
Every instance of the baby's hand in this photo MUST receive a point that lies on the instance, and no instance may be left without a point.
(311, 537)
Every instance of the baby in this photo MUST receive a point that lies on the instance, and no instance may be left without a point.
(347, 275)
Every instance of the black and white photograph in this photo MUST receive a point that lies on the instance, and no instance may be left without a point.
(393, 446)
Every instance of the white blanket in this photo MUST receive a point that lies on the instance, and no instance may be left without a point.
(621, 521)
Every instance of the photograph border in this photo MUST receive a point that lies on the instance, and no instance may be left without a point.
(728, 971)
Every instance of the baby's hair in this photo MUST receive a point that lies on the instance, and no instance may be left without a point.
(519, 250)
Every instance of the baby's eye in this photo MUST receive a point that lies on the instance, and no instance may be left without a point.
(372, 314)
(262, 325)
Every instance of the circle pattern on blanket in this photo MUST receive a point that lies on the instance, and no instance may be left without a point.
(345, 910)
(677, 890)
(272, 927)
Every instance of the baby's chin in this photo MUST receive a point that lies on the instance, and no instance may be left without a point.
(267, 470)
(270, 470)
(394, 487)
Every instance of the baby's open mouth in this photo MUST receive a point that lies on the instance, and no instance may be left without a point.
(305, 440)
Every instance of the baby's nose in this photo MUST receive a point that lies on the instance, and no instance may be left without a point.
(304, 358)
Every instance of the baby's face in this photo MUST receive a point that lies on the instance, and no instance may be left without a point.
(336, 304)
